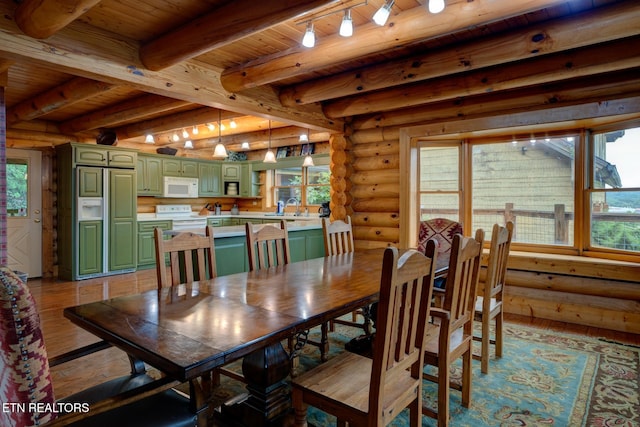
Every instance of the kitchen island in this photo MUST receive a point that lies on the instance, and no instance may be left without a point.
(305, 238)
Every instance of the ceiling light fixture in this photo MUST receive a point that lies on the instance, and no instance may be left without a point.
(149, 139)
(175, 137)
(383, 13)
(436, 6)
(308, 160)
(188, 144)
(194, 131)
(233, 124)
(220, 152)
(309, 38)
(269, 157)
(185, 134)
(346, 27)
(211, 126)
(304, 137)
(245, 146)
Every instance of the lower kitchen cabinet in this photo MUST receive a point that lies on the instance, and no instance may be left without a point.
(146, 242)
(90, 238)
(231, 255)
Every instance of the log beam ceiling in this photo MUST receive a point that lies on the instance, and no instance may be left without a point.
(548, 53)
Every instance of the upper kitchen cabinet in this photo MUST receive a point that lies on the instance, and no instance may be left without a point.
(149, 170)
(178, 167)
(96, 155)
(209, 177)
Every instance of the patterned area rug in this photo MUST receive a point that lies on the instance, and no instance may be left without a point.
(543, 379)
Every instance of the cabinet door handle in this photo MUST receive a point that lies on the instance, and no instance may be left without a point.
(36, 220)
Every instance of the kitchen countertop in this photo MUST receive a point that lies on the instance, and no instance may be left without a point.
(227, 214)
(240, 230)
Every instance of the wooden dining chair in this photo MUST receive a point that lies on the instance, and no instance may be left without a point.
(133, 399)
(267, 245)
(489, 301)
(191, 257)
(338, 240)
(371, 392)
(450, 336)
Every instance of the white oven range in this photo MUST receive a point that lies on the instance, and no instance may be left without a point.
(181, 216)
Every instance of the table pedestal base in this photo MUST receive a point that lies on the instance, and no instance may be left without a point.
(269, 399)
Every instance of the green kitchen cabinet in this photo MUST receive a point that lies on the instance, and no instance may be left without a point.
(146, 242)
(122, 219)
(90, 182)
(149, 171)
(90, 238)
(94, 155)
(209, 179)
(231, 255)
(246, 181)
(215, 222)
(177, 167)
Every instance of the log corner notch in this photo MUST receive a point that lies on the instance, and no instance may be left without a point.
(43, 18)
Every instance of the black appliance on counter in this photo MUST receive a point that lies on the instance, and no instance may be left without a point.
(324, 210)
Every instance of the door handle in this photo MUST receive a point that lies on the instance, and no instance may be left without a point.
(36, 220)
(37, 211)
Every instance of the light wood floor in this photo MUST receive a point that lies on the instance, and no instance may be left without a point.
(52, 296)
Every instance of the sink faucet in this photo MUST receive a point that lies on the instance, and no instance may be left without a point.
(297, 202)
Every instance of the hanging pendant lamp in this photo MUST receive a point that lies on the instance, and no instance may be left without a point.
(269, 157)
(220, 152)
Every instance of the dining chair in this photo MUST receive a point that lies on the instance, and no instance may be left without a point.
(489, 306)
(267, 245)
(442, 230)
(191, 257)
(450, 336)
(133, 399)
(338, 240)
(362, 391)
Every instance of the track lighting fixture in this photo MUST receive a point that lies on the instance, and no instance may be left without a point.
(436, 6)
(383, 13)
(269, 157)
(185, 134)
(188, 144)
(149, 139)
(175, 137)
(309, 39)
(233, 124)
(346, 27)
(220, 152)
(194, 131)
(211, 126)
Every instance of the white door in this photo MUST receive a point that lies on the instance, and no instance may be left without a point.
(24, 211)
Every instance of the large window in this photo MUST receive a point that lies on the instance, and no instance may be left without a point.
(310, 186)
(614, 190)
(538, 183)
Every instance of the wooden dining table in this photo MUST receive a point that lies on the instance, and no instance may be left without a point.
(189, 330)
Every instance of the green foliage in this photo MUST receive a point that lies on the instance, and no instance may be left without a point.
(616, 235)
(16, 186)
(319, 194)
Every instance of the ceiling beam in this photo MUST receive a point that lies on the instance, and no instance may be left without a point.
(43, 18)
(406, 27)
(75, 90)
(124, 112)
(228, 23)
(573, 92)
(610, 23)
(106, 57)
(599, 59)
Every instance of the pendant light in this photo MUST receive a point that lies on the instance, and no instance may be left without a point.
(308, 160)
(149, 139)
(383, 13)
(269, 157)
(309, 39)
(346, 27)
(220, 152)
(188, 145)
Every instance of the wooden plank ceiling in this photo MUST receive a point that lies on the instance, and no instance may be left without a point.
(163, 67)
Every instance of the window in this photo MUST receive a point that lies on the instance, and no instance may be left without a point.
(17, 197)
(309, 185)
(614, 190)
(537, 182)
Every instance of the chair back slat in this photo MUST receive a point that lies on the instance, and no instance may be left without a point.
(338, 236)
(182, 250)
(267, 246)
(462, 279)
(406, 288)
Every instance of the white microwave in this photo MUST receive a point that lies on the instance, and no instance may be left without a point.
(177, 186)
